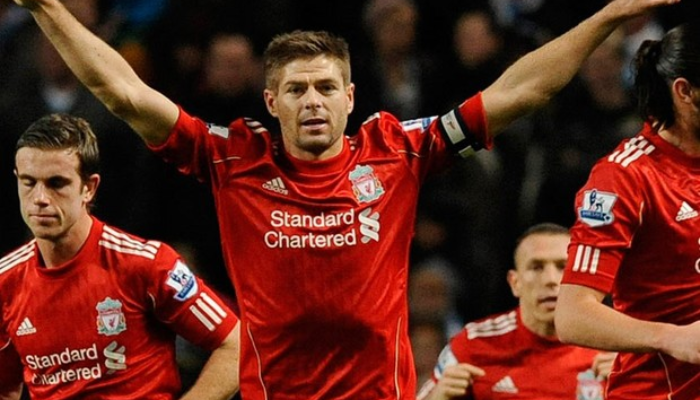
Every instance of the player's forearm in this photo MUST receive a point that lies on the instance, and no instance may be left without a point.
(96, 64)
(106, 73)
(533, 80)
(583, 320)
(219, 377)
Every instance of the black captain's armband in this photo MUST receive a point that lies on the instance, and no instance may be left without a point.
(457, 135)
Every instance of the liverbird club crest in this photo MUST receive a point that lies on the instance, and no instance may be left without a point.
(110, 318)
(365, 184)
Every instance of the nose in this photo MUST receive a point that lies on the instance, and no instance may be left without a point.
(552, 275)
(313, 99)
(40, 197)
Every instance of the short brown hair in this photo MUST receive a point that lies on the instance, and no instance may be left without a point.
(62, 131)
(288, 47)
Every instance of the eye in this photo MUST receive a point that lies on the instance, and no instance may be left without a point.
(57, 183)
(29, 183)
(536, 266)
(295, 89)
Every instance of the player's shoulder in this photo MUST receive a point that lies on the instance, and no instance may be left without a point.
(17, 258)
(115, 243)
(494, 326)
(631, 154)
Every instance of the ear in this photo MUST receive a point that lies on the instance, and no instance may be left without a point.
(271, 102)
(683, 90)
(514, 282)
(350, 92)
(90, 187)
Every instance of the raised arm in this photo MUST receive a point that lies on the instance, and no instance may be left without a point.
(104, 72)
(582, 319)
(219, 377)
(534, 79)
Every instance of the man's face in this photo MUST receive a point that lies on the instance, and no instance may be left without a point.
(539, 264)
(52, 195)
(312, 104)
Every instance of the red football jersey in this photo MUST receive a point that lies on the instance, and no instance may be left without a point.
(318, 251)
(637, 236)
(103, 325)
(518, 363)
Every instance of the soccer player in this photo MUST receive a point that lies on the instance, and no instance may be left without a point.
(517, 354)
(637, 235)
(90, 311)
(316, 224)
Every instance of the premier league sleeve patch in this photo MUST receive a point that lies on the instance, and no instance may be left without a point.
(183, 281)
(596, 209)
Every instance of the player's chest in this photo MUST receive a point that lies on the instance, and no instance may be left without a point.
(534, 382)
(72, 315)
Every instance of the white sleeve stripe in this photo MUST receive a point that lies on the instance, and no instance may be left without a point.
(202, 318)
(121, 249)
(594, 262)
(126, 240)
(207, 310)
(148, 246)
(577, 260)
(20, 258)
(587, 259)
(452, 128)
(214, 305)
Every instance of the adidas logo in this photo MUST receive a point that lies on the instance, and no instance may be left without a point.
(276, 185)
(26, 328)
(505, 385)
(686, 212)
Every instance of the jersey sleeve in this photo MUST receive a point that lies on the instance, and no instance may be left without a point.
(191, 145)
(432, 144)
(609, 210)
(186, 304)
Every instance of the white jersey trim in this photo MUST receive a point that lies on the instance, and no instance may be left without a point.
(587, 259)
(18, 256)
(122, 243)
(497, 326)
(633, 150)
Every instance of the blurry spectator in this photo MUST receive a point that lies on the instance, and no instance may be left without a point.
(427, 340)
(393, 74)
(431, 296)
(231, 82)
(636, 31)
(542, 20)
(481, 51)
(594, 113)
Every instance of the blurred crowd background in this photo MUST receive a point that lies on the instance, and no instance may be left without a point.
(410, 57)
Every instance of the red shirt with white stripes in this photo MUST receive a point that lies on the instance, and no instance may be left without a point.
(103, 325)
(518, 363)
(318, 251)
(637, 236)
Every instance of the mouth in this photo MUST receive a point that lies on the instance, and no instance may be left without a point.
(548, 301)
(42, 218)
(314, 124)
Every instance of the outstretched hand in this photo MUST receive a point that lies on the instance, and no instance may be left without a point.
(631, 8)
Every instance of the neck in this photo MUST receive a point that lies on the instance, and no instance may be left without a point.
(539, 328)
(683, 137)
(57, 251)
